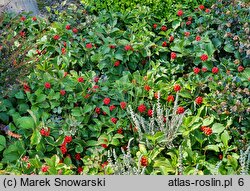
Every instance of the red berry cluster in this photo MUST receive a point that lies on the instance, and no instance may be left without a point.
(141, 108)
(45, 132)
(123, 105)
(204, 57)
(128, 47)
(78, 156)
(170, 98)
(180, 110)
(47, 85)
(144, 161)
(199, 100)
(45, 168)
(63, 148)
(206, 130)
(26, 87)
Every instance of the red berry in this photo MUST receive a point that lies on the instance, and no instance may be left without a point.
(112, 46)
(144, 161)
(79, 170)
(23, 18)
(188, 23)
(220, 156)
(89, 45)
(202, 7)
(62, 92)
(215, 70)
(63, 149)
(164, 28)
(199, 100)
(208, 131)
(63, 50)
(56, 37)
(173, 55)
(204, 69)
(68, 27)
(117, 63)
(141, 108)
(187, 34)
(190, 18)
(106, 101)
(240, 68)
(105, 164)
(80, 79)
(45, 168)
(180, 110)
(171, 39)
(47, 85)
(207, 10)
(170, 98)
(197, 38)
(22, 34)
(180, 13)
(204, 57)
(78, 156)
(177, 87)
(196, 70)
(104, 146)
(123, 105)
(34, 18)
(98, 110)
(68, 139)
(112, 107)
(147, 87)
(150, 112)
(120, 131)
(114, 120)
(164, 44)
(156, 95)
(75, 30)
(154, 26)
(128, 47)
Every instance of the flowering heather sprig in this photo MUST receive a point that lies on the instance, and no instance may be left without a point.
(168, 123)
(245, 161)
(180, 162)
(125, 164)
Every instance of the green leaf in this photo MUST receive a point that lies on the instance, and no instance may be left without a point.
(185, 94)
(208, 121)
(76, 112)
(115, 142)
(19, 95)
(13, 152)
(91, 143)
(218, 128)
(119, 56)
(118, 136)
(2, 142)
(87, 108)
(35, 138)
(41, 98)
(79, 149)
(176, 24)
(229, 48)
(225, 138)
(143, 149)
(26, 123)
(213, 148)
(67, 161)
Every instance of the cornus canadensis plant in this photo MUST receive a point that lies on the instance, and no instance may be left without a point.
(126, 165)
(167, 122)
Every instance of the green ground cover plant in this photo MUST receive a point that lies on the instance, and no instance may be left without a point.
(131, 91)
